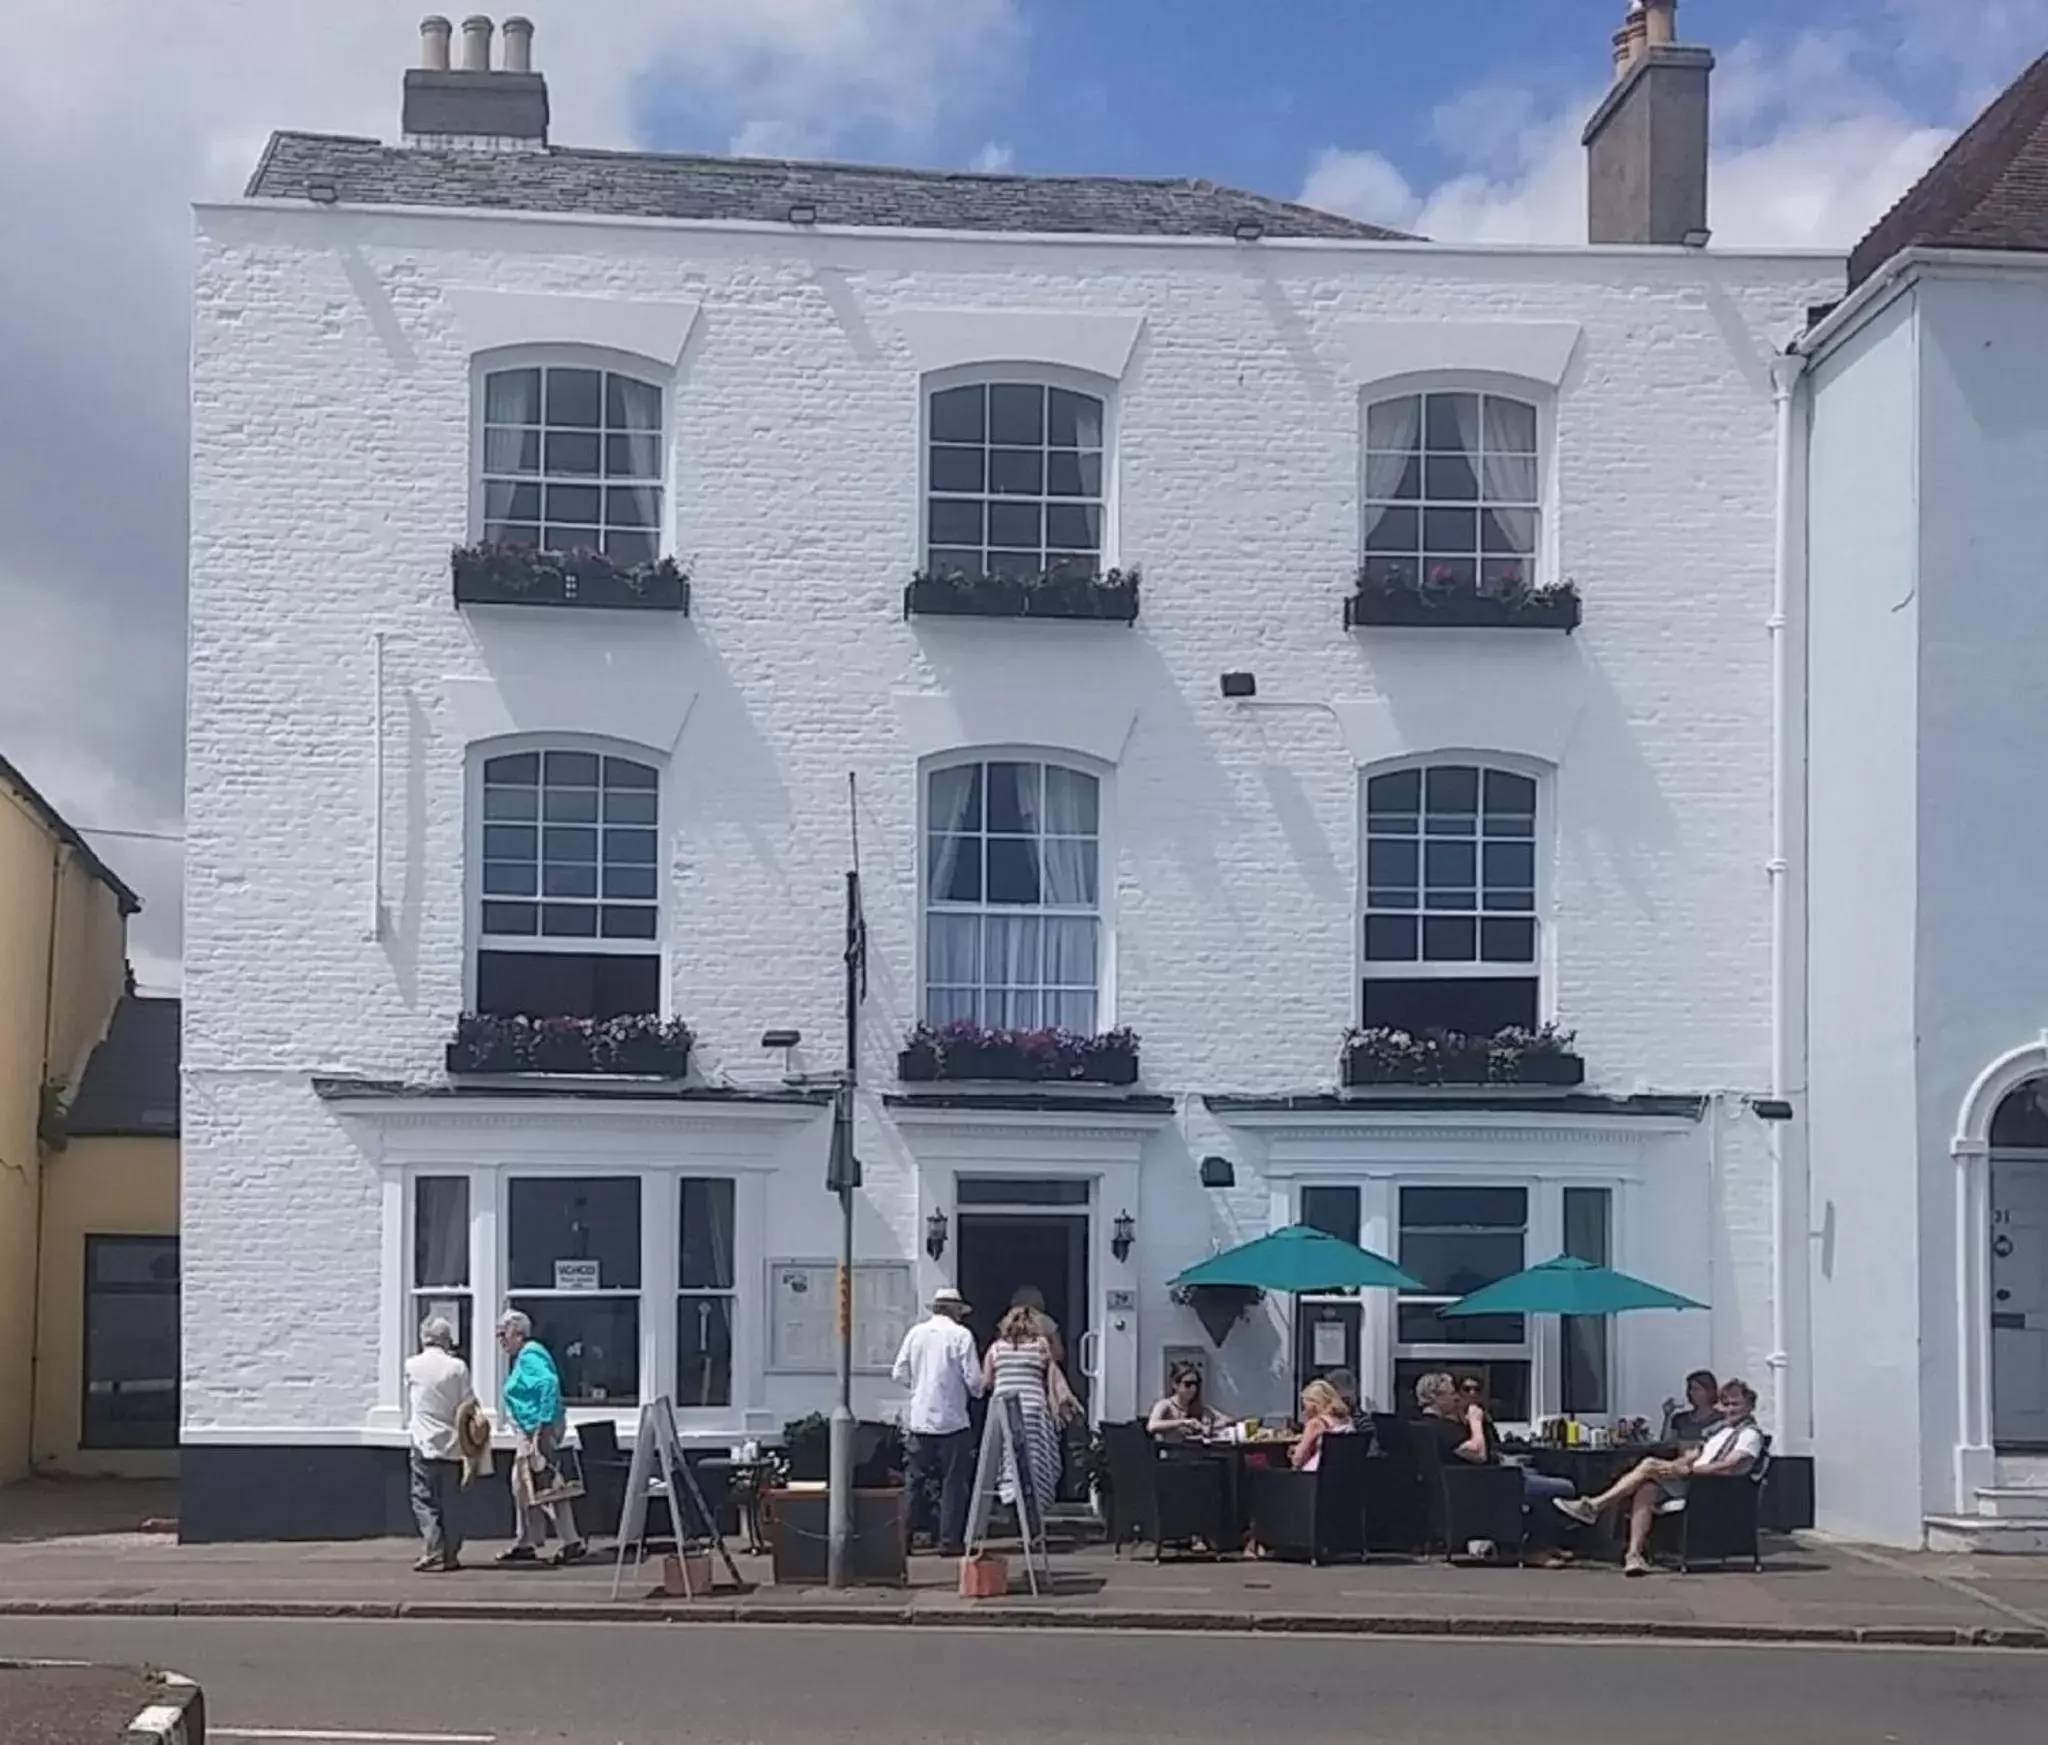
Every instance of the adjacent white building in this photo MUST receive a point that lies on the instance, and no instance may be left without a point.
(1570, 797)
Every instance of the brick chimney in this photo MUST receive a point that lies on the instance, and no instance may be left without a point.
(475, 107)
(1646, 146)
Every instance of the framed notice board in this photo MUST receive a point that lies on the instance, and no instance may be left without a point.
(803, 1333)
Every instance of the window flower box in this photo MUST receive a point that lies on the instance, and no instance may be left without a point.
(1447, 597)
(1443, 1057)
(1058, 593)
(522, 575)
(635, 1047)
(956, 1053)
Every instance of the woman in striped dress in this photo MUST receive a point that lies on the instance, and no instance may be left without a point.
(1020, 1363)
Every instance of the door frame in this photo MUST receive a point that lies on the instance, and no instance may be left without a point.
(2009, 1157)
(1085, 1216)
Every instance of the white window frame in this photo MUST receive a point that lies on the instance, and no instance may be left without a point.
(1101, 388)
(1103, 774)
(1447, 1354)
(649, 371)
(1541, 396)
(482, 752)
(513, 1294)
(1542, 965)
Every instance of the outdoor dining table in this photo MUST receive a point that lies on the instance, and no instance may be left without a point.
(1236, 1459)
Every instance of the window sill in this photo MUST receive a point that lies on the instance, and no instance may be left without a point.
(513, 576)
(1110, 599)
(1558, 610)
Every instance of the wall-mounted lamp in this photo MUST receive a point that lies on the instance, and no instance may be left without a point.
(1240, 684)
(1249, 230)
(935, 1235)
(1697, 238)
(1218, 1172)
(1123, 1236)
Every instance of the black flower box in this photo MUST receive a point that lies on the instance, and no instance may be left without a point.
(1111, 598)
(1408, 608)
(519, 575)
(1542, 1057)
(635, 1047)
(967, 1053)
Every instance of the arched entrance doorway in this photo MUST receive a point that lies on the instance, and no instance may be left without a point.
(2018, 1270)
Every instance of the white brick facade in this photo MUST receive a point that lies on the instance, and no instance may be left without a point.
(333, 366)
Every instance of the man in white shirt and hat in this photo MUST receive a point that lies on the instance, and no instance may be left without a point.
(940, 1366)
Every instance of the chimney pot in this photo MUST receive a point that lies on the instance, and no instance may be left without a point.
(1637, 30)
(435, 32)
(1621, 53)
(1660, 22)
(517, 55)
(476, 44)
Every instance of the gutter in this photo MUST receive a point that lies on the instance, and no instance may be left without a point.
(1896, 275)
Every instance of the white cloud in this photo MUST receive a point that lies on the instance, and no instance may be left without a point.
(1810, 148)
(993, 159)
(113, 118)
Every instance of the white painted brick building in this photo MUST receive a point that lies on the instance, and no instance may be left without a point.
(369, 343)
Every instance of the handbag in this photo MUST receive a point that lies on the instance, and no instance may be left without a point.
(558, 1477)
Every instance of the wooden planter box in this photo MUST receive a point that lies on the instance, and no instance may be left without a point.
(923, 1064)
(1110, 599)
(515, 576)
(797, 1523)
(1374, 608)
(498, 1053)
(1467, 1067)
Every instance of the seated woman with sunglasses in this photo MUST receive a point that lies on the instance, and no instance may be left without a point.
(1183, 1415)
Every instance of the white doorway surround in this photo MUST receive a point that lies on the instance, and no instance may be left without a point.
(2000, 1476)
(1104, 1148)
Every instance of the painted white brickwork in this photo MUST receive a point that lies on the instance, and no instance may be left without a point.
(332, 371)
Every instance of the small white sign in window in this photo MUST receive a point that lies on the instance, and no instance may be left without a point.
(576, 1275)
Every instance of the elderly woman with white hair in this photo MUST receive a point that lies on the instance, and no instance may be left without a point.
(437, 1386)
(533, 1401)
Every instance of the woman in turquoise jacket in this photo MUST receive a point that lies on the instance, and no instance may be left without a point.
(533, 1402)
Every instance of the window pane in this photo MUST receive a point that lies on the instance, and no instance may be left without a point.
(1070, 953)
(142, 1262)
(1390, 939)
(1449, 478)
(1073, 527)
(1016, 472)
(573, 769)
(954, 522)
(1470, 1005)
(567, 921)
(630, 883)
(1394, 530)
(1510, 426)
(631, 405)
(1392, 426)
(570, 806)
(512, 397)
(632, 506)
(1027, 1190)
(1453, 788)
(633, 923)
(623, 772)
(1334, 1211)
(1400, 792)
(703, 1351)
(1509, 794)
(1510, 479)
(573, 398)
(1451, 866)
(1390, 861)
(595, 1342)
(1010, 954)
(524, 534)
(511, 920)
(567, 842)
(511, 841)
(440, 1230)
(568, 984)
(511, 451)
(511, 804)
(1016, 413)
(511, 878)
(960, 415)
(1457, 1263)
(953, 560)
(1012, 870)
(1421, 1324)
(1484, 1208)
(1073, 420)
(959, 469)
(1586, 1220)
(577, 503)
(953, 869)
(1450, 530)
(1510, 866)
(629, 847)
(705, 1245)
(131, 1343)
(632, 457)
(569, 881)
(1013, 797)
(508, 502)
(1507, 941)
(1448, 939)
(1584, 1340)
(1072, 801)
(1450, 423)
(574, 453)
(552, 1219)
(1073, 475)
(953, 951)
(520, 767)
(1512, 531)
(1016, 526)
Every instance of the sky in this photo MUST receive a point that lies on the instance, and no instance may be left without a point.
(1456, 119)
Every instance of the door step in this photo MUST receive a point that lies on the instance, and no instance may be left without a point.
(2010, 1502)
(1986, 1535)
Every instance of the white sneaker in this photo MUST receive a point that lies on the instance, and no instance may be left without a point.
(1580, 1509)
(1636, 1566)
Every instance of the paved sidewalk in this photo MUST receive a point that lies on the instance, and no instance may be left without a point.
(1809, 1592)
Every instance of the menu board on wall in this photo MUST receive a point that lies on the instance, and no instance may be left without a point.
(803, 1336)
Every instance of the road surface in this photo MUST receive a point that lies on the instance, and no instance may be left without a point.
(311, 1682)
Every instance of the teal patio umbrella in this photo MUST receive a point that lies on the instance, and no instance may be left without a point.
(1566, 1286)
(1298, 1259)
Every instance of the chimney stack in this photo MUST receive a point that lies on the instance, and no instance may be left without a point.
(435, 32)
(518, 51)
(1646, 146)
(476, 44)
(471, 107)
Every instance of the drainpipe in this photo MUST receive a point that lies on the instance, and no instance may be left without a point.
(1790, 1215)
(58, 861)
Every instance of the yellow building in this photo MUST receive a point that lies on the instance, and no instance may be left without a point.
(88, 1163)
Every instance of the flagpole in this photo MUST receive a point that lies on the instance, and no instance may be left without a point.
(844, 1179)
